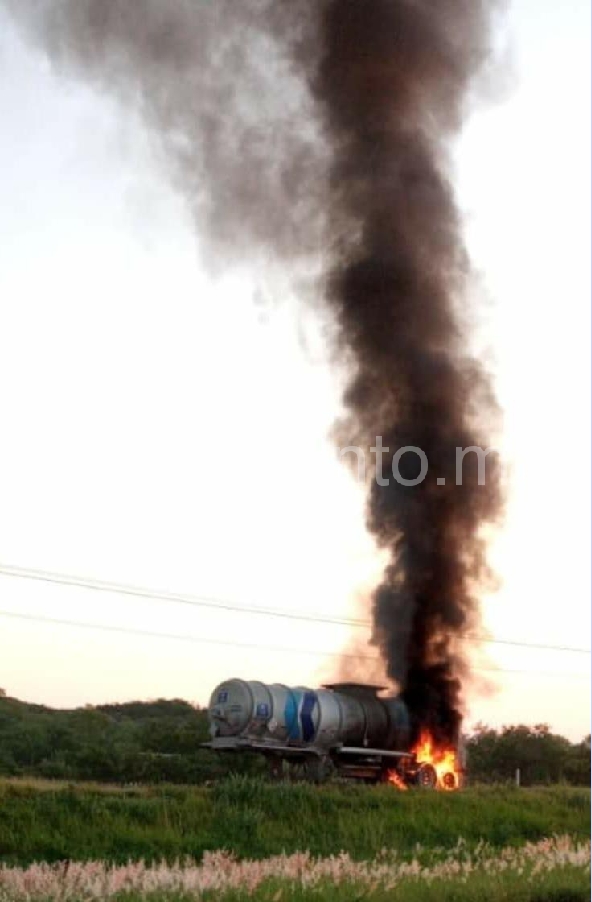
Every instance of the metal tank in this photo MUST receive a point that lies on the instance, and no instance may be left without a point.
(345, 714)
(249, 709)
(399, 732)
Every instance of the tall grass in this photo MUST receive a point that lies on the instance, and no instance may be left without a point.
(253, 819)
(551, 869)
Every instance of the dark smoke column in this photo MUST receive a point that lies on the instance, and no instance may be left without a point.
(393, 83)
(222, 85)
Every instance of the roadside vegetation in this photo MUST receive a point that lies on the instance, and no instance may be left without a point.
(119, 802)
(556, 869)
(251, 818)
(159, 741)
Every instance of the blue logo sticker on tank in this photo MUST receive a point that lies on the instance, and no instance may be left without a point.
(291, 714)
(262, 709)
(308, 727)
(222, 697)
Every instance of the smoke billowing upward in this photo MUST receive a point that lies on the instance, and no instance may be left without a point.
(393, 80)
(219, 84)
(300, 129)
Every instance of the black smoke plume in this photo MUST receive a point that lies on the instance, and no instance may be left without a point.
(304, 130)
(393, 82)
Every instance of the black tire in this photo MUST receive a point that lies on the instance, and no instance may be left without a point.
(275, 769)
(426, 777)
(295, 771)
(449, 780)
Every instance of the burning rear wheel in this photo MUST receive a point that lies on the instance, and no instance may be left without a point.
(426, 777)
(449, 780)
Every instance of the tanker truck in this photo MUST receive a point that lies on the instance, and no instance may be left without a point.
(342, 728)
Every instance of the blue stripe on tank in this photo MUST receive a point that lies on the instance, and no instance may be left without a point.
(308, 728)
(291, 714)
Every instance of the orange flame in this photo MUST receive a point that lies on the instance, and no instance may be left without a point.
(395, 780)
(443, 760)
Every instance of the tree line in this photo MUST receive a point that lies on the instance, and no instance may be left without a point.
(159, 741)
(540, 756)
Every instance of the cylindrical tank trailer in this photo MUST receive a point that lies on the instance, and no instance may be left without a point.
(343, 714)
(345, 727)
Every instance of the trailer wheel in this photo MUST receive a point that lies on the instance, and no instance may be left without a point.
(449, 780)
(297, 771)
(275, 769)
(426, 777)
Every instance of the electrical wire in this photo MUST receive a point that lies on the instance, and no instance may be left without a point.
(221, 604)
(246, 645)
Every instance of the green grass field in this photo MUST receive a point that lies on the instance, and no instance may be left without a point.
(252, 819)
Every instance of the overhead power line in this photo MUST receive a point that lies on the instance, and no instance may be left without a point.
(203, 601)
(225, 605)
(112, 628)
